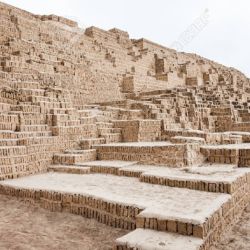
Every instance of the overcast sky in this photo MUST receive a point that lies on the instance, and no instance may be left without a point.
(216, 29)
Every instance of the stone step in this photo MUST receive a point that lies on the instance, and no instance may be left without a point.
(88, 143)
(228, 153)
(75, 151)
(62, 111)
(26, 108)
(29, 91)
(102, 131)
(87, 120)
(112, 137)
(208, 177)
(75, 158)
(185, 139)
(101, 125)
(69, 169)
(215, 178)
(145, 239)
(82, 131)
(84, 113)
(37, 99)
(38, 140)
(108, 167)
(33, 128)
(64, 117)
(67, 123)
(24, 134)
(102, 118)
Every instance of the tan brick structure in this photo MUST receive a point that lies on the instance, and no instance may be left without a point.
(100, 109)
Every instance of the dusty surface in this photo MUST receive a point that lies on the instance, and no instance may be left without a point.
(155, 240)
(25, 227)
(239, 237)
(159, 201)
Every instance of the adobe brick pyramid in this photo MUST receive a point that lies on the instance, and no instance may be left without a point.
(124, 131)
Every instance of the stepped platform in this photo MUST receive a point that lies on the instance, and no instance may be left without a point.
(156, 153)
(218, 178)
(149, 239)
(74, 157)
(228, 153)
(142, 137)
(69, 169)
(108, 167)
(207, 177)
(128, 203)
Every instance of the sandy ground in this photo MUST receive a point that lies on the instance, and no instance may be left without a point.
(25, 227)
(239, 237)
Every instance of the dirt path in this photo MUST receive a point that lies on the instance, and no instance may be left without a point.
(26, 227)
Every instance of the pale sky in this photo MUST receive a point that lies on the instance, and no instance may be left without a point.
(216, 29)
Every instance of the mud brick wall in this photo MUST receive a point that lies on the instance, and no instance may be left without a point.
(30, 155)
(183, 139)
(245, 138)
(221, 155)
(168, 134)
(58, 19)
(69, 169)
(244, 127)
(231, 139)
(67, 68)
(220, 138)
(215, 187)
(86, 131)
(71, 159)
(193, 155)
(8, 122)
(211, 230)
(194, 81)
(107, 212)
(223, 123)
(139, 130)
(128, 84)
(244, 158)
(175, 155)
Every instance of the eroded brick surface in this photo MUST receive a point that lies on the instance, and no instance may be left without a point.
(70, 97)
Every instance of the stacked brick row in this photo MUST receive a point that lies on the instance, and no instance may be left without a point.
(173, 155)
(107, 212)
(139, 130)
(238, 156)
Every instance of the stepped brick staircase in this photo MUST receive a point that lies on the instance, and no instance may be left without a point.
(124, 131)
